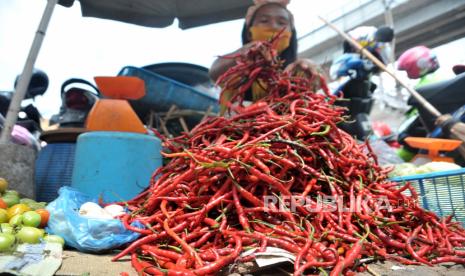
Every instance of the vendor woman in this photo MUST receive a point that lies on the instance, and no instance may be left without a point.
(264, 20)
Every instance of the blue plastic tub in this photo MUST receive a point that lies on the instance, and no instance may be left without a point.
(115, 165)
(54, 169)
(441, 192)
(162, 93)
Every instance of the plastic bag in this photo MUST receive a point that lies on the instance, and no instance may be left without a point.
(386, 154)
(84, 234)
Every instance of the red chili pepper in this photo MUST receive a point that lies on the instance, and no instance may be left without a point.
(186, 247)
(145, 240)
(142, 267)
(354, 252)
(410, 249)
(240, 211)
(202, 240)
(338, 268)
(270, 180)
(213, 267)
(327, 254)
(448, 259)
(161, 252)
(249, 196)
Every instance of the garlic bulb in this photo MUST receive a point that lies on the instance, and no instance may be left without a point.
(93, 210)
(114, 210)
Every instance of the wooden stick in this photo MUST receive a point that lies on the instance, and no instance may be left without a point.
(209, 109)
(163, 127)
(433, 110)
(172, 109)
(164, 120)
(150, 120)
(183, 124)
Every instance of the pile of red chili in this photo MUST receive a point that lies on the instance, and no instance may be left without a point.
(258, 178)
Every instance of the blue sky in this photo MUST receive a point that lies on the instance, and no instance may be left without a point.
(80, 47)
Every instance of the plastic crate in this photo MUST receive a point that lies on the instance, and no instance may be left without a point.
(162, 93)
(440, 192)
(54, 169)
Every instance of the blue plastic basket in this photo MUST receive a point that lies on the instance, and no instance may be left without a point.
(440, 192)
(54, 169)
(162, 93)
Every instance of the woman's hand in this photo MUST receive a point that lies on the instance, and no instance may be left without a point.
(221, 64)
(306, 68)
(303, 66)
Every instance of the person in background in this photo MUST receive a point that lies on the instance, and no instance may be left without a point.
(263, 21)
(420, 63)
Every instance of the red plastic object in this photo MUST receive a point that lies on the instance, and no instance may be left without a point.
(121, 87)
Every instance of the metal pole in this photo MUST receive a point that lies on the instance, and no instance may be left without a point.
(392, 56)
(25, 77)
(390, 22)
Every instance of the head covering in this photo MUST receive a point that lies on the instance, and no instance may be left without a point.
(458, 69)
(418, 62)
(260, 3)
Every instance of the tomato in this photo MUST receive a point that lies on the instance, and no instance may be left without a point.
(7, 241)
(3, 215)
(3, 184)
(3, 204)
(10, 199)
(31, 218)
(54, 239)
(16, 220)
(11, 192)
(17, 209)
(45, 215)
(6, 228)
(29, 234)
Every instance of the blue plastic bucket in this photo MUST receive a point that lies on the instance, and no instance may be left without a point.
(54, 169)
(116, 165)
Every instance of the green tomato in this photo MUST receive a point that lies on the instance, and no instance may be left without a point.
(7, 228)
(7, 242)
(16, 220)
(36, 205)
(3, 216)
(29, 234)
(54, 239)
(11, 199)
(11, 192)
(26, 200)
(31, 218)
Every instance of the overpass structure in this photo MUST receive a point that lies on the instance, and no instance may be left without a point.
(416, 22)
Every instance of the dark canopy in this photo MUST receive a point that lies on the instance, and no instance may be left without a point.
(161, 13)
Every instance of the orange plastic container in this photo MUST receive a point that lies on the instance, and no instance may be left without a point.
(115, 113)
(121, 87)
(434, 146)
